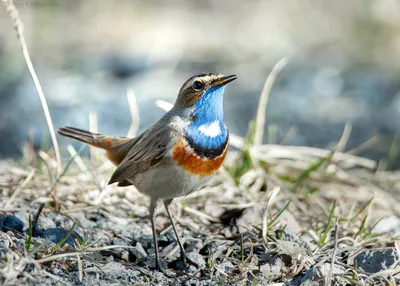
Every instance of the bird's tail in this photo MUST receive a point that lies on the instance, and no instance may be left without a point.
(116, 147)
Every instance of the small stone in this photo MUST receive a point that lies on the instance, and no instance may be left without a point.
(226, 266)
(388, 224)
(376, 260)
(248, 217)
(137, 255)
(140, 248)
(118, 241)
(96, 256)
(4, 245)
(147, 242)
(150, 261)
(192, 244)
(113, 269)
(120, 252)
(125, 255)
(317, 275)
(194, 262)
(11, 222)
(22, 217)
(46, 222)
(273, 270)
(58, 234)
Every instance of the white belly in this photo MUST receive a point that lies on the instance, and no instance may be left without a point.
(167, 182)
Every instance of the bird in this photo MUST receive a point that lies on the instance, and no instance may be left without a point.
(178, 154)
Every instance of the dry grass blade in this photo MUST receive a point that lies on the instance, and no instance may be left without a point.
(345, 138)
(20, 188)
(134, 110)
(365, 145)
(262, 105)
(78, 160)
(236, 141)
(14, 14)
(75, 253)
(330, 275)
(80, 267)
(270, 201)
(164, 105)
(200, 214)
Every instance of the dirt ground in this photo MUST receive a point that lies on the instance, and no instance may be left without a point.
(274, 215)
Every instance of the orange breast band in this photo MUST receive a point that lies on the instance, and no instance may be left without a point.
(185, 157)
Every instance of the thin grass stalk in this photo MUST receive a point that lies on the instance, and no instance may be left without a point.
(16, 20)
(270, 201)
(345, 137)
(134, 110)
(262, 105)
(330, 275)
(20, 188)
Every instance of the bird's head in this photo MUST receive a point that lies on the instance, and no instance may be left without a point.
(201, 97)
(205, 89)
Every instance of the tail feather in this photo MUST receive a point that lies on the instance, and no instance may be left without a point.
(116, 147)
(79, 134)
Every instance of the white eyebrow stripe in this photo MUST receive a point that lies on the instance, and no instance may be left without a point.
(211, 130)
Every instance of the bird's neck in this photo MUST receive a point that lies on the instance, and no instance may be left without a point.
(207, 134)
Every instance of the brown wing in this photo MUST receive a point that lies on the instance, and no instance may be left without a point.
(147, 152)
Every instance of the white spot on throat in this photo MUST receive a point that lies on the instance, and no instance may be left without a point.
(211, 130)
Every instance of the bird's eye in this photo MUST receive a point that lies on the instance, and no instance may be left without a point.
(197, 85)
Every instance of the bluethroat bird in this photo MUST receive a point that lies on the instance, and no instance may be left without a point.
(178, 154)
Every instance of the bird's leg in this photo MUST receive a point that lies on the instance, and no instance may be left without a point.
(166, 204)
(183, 255)
(152, 210)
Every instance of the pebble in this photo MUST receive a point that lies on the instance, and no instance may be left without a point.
(10, 222)
(373, 261)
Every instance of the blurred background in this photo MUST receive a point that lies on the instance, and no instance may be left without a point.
(344, 67)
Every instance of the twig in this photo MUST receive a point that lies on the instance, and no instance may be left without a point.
(262, 105)
(14, 15)
(134, 110)
(20, 188)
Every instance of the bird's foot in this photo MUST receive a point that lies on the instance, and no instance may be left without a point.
(160, 265)
(189, 264)
(189, 261)
(167, 273)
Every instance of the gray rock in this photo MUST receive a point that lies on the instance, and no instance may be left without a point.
(376, 260)
(4, 243)
(226, 266)
(316, 275)
(290, 248)
(273, 270)
(250, 216)
(23, 216)
(46, 222)
(4, 246)
(196, 263)
(119, 241)
(138, 253)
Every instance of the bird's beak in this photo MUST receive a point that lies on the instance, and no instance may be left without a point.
(224, 80)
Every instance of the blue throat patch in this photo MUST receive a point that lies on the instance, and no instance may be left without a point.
(208, 110)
